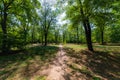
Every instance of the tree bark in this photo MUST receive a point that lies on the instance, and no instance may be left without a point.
(45, 39)
(77, 35)
(56, 37)
(102, 36)
(4, 30)
(86, 24)
(42, 38)
(88, 34)
(64, 36)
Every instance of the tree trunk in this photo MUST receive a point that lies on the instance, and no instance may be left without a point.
(45, 39)
(89, 42)
(77, 35)
(4, 30)
(56, 37)
(88, 34)
(87, 28)
(33, 34)
(42, 38)
(102, 37)
(64, 36)
(25, 35)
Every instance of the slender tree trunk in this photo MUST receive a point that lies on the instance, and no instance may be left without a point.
(75, 40)
(25, 35)
(64, 37)
(77, 35)
(4, 30)
(56, 37)
(45, 39)
(42, 39)
(32, 38)
(102, 37)
(33, 34)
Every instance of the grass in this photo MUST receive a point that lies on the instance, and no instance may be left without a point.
(99, 65)
(76, 47)
(103, 64)
(26, 64)
(106, 48)
(40, 78)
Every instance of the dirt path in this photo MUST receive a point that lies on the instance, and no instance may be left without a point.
(58, 69)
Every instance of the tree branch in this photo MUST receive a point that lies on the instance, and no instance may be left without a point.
(6, 8)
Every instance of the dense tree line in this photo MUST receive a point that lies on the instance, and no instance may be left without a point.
(32, 21)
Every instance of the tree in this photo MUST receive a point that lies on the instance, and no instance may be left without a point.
(14, 8)
(4, 9)
(48, 17)
(84, 11)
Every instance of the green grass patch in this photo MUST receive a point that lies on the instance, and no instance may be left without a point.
(106, 48)
(40, 78)
(76, 47)
(96, 78)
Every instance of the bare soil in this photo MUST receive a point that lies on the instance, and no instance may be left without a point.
(58, 69)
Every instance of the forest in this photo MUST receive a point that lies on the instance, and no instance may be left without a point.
(59, 39)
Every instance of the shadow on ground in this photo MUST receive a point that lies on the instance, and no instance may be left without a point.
(96, 65)
(25, 64)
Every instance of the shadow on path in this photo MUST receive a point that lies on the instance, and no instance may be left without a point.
(95, 65)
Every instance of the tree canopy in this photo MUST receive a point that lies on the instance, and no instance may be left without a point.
(80, 21)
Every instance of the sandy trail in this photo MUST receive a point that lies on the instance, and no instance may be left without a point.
(58, 69)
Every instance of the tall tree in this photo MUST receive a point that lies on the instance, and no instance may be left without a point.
(16, 8)
(48, 17)
(84, 11)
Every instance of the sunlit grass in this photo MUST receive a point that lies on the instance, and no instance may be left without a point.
(40, 78)
(107, 48)
(76, 47)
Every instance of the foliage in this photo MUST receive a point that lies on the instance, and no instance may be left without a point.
(29, 21)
